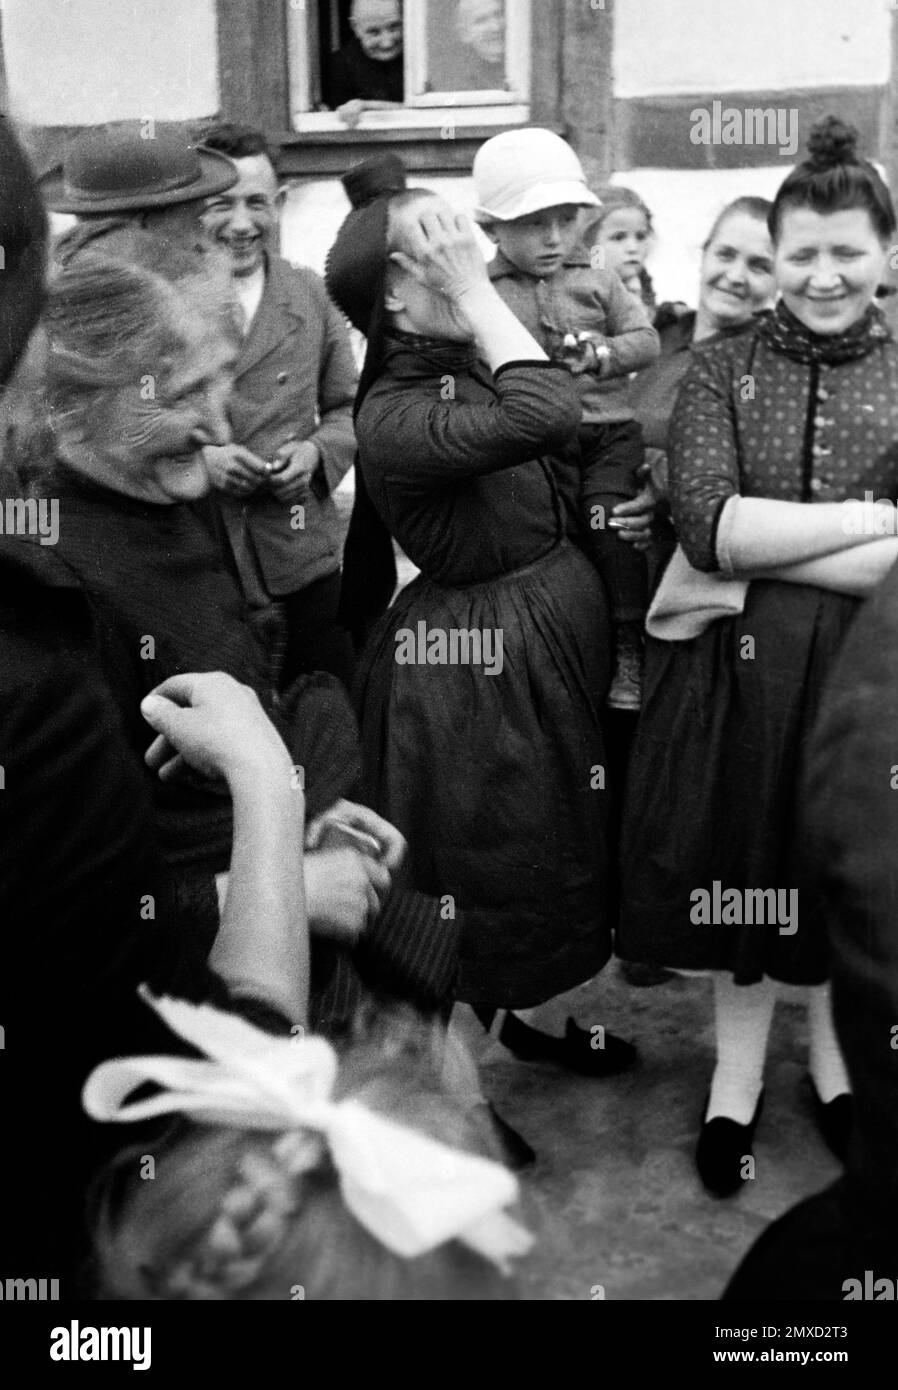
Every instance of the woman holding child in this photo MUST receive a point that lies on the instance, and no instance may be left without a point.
(776, 429)
(495, 779)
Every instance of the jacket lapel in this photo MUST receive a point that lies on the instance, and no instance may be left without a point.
(279, 313)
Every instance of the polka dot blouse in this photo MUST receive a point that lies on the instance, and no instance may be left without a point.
(751, 421)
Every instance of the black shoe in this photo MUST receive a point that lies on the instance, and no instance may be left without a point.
(642, 976)
(575, 1050)
(516, 1152)
(835, 1120)
(723, 1147)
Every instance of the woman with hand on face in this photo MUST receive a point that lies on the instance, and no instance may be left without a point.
(490, 767)
(782, 434)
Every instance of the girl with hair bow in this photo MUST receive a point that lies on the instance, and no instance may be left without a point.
(294, 1182)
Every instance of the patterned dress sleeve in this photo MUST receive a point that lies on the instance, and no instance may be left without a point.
(704, 463)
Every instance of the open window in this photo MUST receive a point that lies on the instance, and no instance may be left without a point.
(459, 62)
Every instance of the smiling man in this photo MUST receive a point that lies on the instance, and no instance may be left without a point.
(291, 416)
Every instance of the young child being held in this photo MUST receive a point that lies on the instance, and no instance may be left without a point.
(530, 190)
(619, 237)
(622, 230)
(289, 1175)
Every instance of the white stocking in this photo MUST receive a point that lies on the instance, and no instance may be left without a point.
(742, 1018)
(824, 1055)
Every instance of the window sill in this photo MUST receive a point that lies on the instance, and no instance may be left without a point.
(422, 121)
(446, 145)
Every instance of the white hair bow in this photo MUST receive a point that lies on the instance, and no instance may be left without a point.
(411, 1192)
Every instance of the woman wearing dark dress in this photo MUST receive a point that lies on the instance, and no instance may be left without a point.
(776, 429)
(491, 763)
(736, 282)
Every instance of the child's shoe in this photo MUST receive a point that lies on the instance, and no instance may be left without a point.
(626, 687)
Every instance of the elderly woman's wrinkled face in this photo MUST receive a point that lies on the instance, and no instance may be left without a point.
(737, 271)
(377, 24)
(151, 434)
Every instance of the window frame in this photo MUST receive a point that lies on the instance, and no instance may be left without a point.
(442, 112)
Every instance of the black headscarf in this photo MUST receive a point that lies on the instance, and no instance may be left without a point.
(356, 280)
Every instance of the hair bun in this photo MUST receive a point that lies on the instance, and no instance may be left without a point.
(832, 142)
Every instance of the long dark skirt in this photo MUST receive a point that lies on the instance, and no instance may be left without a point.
(496, 780)
(713, 787)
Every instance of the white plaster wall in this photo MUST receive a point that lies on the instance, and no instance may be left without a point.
(81, 62)
(669, 46)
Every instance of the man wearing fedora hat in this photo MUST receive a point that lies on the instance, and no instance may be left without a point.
(118, 176)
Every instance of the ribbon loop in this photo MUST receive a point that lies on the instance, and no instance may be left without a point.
(413, 1193)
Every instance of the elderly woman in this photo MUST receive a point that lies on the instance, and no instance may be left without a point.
(136, 378)
(78, 854)
(482, 689)
(782, 435)
(735, 283)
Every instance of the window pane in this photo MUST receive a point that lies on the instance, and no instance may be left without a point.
(466, 46)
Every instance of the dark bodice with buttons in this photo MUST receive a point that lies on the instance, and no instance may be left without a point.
(752, 421)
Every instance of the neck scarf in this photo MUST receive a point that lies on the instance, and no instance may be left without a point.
(443, 354)
(788, 335)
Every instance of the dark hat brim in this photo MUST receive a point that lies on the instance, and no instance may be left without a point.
(217, 173)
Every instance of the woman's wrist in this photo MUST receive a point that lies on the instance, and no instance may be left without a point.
(259, 778)
(476, 300)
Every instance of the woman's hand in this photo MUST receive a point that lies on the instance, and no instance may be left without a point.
(392, 845)
(633, 520)
(215, 725)
(234, 469)
(343, 887)
(443, 253)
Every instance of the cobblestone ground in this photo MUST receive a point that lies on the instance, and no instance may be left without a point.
(614, 1196)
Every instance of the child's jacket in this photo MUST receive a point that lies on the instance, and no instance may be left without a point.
(578, 299)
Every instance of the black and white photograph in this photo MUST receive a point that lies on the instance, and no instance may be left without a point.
(449, 666)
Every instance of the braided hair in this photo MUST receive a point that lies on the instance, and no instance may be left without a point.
(236, 1214)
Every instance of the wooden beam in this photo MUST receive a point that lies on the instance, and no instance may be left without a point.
(587, 83)
(252, 63)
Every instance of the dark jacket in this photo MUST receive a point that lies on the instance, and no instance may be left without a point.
(851, 818)
(295, 378)
(351, 74)
(84, 904)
